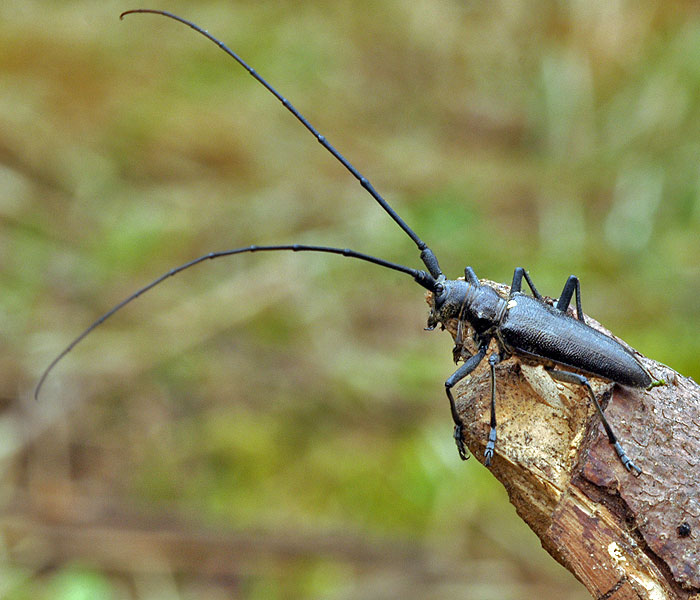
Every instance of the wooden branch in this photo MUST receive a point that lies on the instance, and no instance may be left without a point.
(621, 536)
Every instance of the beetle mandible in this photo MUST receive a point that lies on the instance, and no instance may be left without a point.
(521, 325)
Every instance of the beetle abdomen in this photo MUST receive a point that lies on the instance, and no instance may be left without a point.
(534, 328)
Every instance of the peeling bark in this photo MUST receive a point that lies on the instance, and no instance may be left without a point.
(621, 536)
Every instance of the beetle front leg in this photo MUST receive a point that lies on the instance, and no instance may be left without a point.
(470, 276)
(455, 378)
(569, 377)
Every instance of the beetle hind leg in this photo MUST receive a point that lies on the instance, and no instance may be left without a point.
(569, 377)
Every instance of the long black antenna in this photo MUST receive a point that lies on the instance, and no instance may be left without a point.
(423, 278)
(426, 255)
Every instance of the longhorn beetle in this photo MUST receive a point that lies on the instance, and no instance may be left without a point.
(521, 325)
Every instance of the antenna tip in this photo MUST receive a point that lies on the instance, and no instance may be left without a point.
(138, 10)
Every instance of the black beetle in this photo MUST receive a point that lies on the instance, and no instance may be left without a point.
(521, 325)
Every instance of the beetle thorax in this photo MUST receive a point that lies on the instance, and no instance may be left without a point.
(478, 305)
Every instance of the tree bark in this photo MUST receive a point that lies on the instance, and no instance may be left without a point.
(621, 536)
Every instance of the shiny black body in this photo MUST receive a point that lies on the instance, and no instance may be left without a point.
(532, 328)
(529, 327)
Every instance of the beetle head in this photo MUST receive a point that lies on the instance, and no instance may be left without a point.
(446, 302)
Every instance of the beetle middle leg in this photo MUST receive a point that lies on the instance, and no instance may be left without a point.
(471, 363)
(569, 377)
(494, 359)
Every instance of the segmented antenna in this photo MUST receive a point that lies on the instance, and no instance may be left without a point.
(427, 255)
(421, 277)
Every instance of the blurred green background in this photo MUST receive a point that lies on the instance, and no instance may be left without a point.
(274, 426)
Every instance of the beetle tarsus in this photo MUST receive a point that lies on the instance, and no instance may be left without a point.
(626, 460)
(490, 447)
(459, 440)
